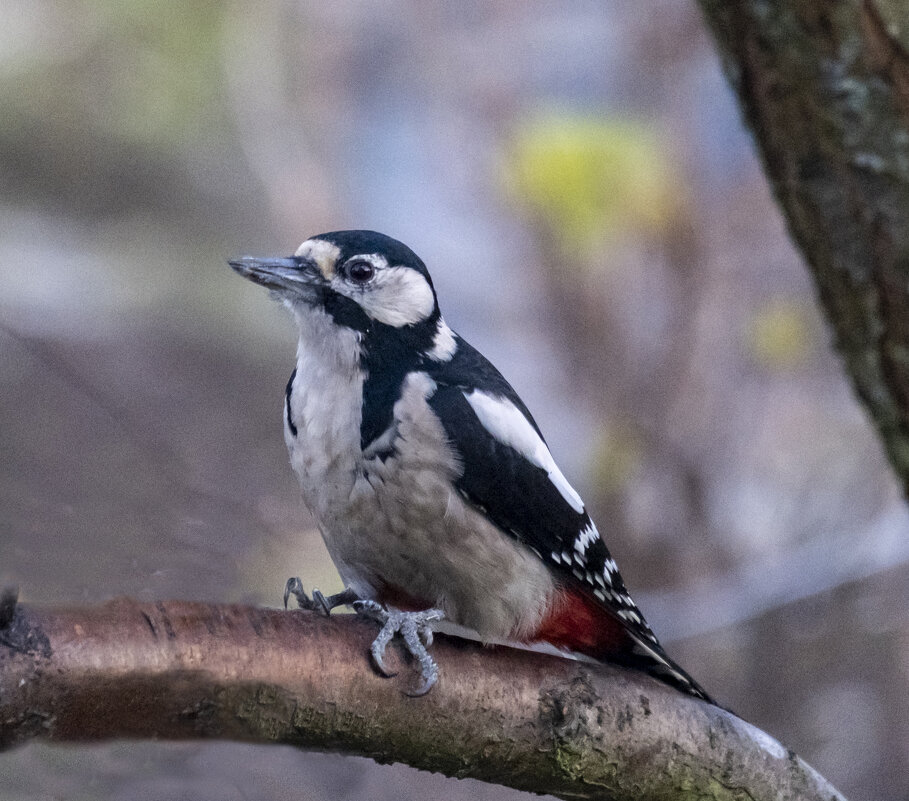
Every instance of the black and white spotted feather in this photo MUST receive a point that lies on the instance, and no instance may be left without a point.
(509, 474)
(524, 496)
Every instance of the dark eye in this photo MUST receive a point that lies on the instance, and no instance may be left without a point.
(360, 271)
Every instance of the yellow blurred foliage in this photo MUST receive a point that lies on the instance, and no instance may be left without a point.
(780, 335)
(591, 179)
(616, 457)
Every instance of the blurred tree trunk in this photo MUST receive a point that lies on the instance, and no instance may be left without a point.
(824, 86)
(176, 670)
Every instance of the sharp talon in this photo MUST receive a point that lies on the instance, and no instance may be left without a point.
(415, 629)
(378, 613)
(319, 599)
(377, 650)
(318, 603)
(295, 587)
(428, 683)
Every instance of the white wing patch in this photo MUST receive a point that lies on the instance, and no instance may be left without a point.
(501, 418)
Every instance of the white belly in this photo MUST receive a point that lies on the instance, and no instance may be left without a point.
(399, 525)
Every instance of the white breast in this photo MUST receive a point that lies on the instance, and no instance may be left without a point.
(325, 405)
(399, 522)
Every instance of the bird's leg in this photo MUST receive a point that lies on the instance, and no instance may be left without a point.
(416, 630)
(318, 602)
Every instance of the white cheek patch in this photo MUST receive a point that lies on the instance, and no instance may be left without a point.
(323, 253)
(398, 296)
(501, 418)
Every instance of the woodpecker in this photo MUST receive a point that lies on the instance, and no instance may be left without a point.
(430, 481)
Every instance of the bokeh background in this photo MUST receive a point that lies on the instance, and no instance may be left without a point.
(577, 178)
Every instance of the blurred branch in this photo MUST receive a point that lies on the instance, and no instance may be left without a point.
(825, 88)
(176, 670)
(780, 577)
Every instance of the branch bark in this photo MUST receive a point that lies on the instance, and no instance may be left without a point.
(177, 670)
(824, 86)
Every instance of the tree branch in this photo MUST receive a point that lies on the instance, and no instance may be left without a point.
(824, 86)
(177, 670)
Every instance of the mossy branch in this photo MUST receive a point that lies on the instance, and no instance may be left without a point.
(176, 670)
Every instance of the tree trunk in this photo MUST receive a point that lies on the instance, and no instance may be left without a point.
(824, 86)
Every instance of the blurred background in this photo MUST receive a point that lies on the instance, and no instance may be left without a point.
(577, 178)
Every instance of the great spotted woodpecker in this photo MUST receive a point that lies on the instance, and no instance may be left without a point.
(432, 485)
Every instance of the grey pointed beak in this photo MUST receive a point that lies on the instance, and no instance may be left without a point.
(290, 274)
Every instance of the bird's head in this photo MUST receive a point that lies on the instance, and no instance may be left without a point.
(362, 280)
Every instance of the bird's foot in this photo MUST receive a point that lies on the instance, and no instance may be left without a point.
(318, 602)
(416, 630)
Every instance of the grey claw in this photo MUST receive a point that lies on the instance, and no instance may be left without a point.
(294, 587)
(377, 649)
(429, 681)
(318, 598)
(377, 612)
(415, 629)
(318, 602)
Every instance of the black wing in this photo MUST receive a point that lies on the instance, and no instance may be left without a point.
(504, 480)
(518, 495)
